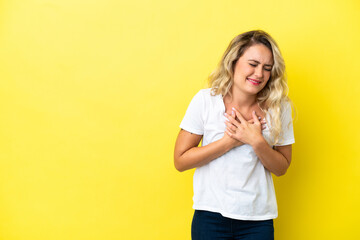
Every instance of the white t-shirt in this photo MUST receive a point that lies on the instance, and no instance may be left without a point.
(235, 184)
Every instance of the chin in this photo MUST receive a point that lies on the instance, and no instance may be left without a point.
(254, 91)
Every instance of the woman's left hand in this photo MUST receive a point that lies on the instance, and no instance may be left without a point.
(242, 130)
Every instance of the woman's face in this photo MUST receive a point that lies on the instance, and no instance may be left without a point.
(252, 70)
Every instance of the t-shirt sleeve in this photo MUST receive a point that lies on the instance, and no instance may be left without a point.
(287, 133)
(193, 120)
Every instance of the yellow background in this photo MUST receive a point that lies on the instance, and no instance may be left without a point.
(92, 94)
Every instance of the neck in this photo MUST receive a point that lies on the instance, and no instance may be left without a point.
(241, 100)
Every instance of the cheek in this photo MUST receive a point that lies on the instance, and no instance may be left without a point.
(244, 70)
(238, 72)
(267, 75)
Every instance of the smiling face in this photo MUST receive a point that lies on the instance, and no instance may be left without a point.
(253, 69)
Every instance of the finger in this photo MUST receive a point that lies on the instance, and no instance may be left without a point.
(263, 127)
(230, 126)
(232, 120)
(231, 131)
(228, 133)
(238, 114)
(251, 121)
(233, 114)
(255, 117)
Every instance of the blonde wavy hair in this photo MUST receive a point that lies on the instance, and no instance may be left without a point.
(275, 92)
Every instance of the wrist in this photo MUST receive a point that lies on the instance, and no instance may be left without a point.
(258, 142)
(227, 143)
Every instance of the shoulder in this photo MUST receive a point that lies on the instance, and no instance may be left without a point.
(207, 94)
(205, 101)
(283, 111)
(286, 107)
(203, 95)
(286, 104)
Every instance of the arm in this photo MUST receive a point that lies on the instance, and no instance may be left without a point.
(188, 155)
(276, 160)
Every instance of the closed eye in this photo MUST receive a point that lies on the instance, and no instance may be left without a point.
(255, 65)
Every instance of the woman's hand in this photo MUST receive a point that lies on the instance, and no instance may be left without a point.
(247, 132)
(232, 142)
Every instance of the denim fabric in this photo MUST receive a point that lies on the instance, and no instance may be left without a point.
(210, 225)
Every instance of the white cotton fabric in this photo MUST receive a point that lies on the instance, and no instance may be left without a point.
(235, 184)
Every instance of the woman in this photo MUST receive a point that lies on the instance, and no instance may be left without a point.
(245, 124)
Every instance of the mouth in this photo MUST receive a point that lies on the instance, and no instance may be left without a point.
(253, 81)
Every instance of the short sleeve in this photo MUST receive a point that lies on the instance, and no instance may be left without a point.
(287, 133)
(193, 120)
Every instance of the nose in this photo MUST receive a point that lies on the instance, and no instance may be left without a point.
(259, 72)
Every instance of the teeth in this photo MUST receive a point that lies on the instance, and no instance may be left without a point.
(253, 81)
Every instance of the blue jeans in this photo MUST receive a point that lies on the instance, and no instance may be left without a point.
(210, 225)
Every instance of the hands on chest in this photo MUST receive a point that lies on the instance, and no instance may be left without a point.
(242, 130)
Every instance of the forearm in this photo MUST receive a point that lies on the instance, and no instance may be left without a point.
(199, 156)
(272, 160)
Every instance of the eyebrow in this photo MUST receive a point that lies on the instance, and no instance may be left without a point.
(270, 65)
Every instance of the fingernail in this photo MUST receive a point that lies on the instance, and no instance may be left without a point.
(232, 112)
(233, 108)
(225, 114)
